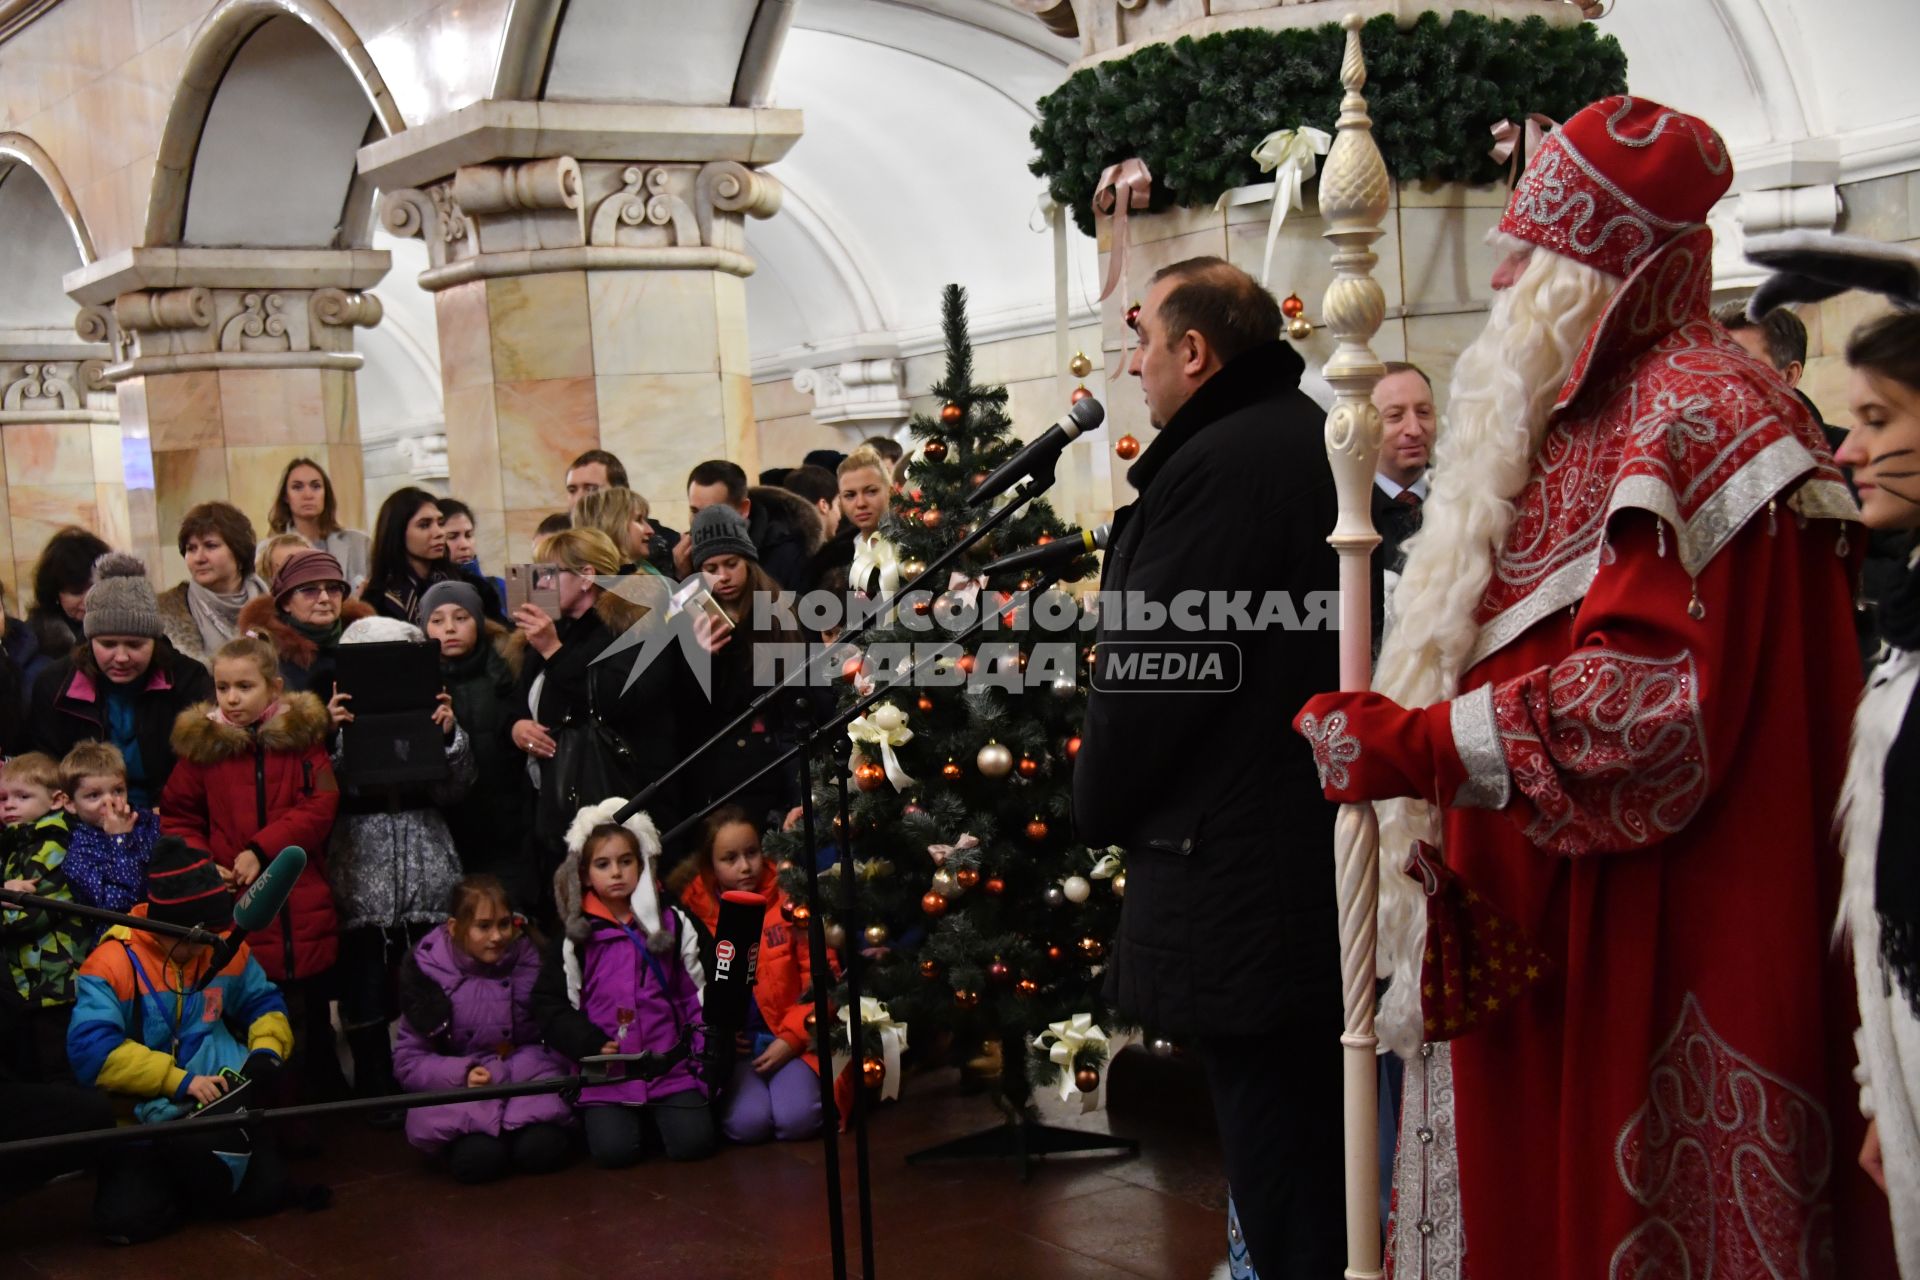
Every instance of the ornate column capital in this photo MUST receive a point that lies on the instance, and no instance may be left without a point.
(178, 310)
(522, 188)
(868, 394)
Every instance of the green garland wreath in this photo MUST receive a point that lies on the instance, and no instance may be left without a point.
(1195, 109)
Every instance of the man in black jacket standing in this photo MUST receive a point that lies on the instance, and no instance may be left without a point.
(1228, 936)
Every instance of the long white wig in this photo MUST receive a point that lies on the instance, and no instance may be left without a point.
(1504, 386)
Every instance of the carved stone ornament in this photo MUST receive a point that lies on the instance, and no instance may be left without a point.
(48, 386)
(868, 394)
(560, 214)
(174, 330)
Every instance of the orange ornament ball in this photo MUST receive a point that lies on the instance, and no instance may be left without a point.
(933, 903)
(873, 1072)
(1079, 394)
(1037, 830)
(967, 877)
(951, 771)
(995, 886)
(934, 450)
(965, 663)
(967, 999)
(924, 703)
(869, 776)
(930, 969)
(801, 913)
(1127, 447)
(930, 517)
(951, 413)
(1029, 767)
(850, 669)
(1027, 987)
(1092, 948)
(1073, 747)
(1054, 953)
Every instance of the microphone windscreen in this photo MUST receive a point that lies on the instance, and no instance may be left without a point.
(256, 908)
(736, 948)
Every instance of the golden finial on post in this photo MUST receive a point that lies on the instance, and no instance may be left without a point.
(1354, 195)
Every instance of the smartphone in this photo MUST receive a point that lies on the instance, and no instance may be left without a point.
(534, 584)
(692, 595)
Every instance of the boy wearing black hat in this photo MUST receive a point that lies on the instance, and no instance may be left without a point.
(151, 1026)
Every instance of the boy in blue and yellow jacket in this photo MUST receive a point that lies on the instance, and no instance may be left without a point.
(141, 1031)
(42, 948)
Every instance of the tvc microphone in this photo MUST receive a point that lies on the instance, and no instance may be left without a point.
(256, 908)
(736, 952)
(1038, 458)
(1052, 554)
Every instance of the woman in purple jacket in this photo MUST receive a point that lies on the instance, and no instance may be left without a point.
(467, 1021)
(624, 977)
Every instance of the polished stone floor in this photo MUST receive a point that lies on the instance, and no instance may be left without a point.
(749, 1213)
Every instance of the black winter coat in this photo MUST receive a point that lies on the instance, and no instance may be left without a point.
(1229, 926)
(786, 530)
(69, 707)
(490, 825)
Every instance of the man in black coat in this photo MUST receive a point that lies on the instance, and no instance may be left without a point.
(785, 528)
(1228, 934)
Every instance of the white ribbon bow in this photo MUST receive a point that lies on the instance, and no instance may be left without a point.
(1069, 1038)
(870, 552)
(893, 1042)
(1111, 864)
(1288, 154)
(885, 727)
(941, 852)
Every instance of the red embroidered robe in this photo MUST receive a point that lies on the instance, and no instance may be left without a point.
(1640, 773)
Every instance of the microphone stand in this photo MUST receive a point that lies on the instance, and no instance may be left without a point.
(856, 961)
(34, 902)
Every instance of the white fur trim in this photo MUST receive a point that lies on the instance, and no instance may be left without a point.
(646, 898)
(690, 953)
(378, 630)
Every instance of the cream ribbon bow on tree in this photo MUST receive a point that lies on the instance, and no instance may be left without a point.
(875, 551)
(893, 1042)
(1288, 154)
(941, 852)
(1069, 1039)
(1507, 137)
(885, 727)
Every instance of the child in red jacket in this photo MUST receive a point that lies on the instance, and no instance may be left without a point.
(775, 1088)
(253, 777)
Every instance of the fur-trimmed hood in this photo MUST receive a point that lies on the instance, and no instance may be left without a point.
(300, 723)
(262, 617)
(567, 892)
(785, 507)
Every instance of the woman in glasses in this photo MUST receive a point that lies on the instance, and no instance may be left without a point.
(304, 617)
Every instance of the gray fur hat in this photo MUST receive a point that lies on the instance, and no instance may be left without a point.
(569, 882)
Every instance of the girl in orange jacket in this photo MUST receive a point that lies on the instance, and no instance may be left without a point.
(774, 1091)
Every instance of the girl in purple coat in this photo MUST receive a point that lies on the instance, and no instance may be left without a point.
(467, 1021)
(624, 977)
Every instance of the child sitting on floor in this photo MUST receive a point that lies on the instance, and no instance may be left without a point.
(107, 860)
(466, 1021)
(43, 948)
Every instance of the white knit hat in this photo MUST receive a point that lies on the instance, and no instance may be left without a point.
(646, 898)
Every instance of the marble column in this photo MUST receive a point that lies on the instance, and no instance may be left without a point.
(588, 267)
(229, 364)
(60, 443)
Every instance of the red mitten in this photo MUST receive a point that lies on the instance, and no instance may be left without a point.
(1369, 747)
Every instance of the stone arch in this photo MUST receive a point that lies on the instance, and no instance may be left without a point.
(17, 149)
(216, 45)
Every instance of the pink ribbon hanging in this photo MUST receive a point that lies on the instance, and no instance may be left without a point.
(1506, 139)
(941, 852)
(1122, 188)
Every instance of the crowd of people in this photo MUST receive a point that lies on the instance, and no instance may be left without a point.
(470, 925)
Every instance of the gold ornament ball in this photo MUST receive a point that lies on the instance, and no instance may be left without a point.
(1299, 328)
(1127, 447)
(951, 413)
(933, 902)
(836, 937)
(911, 569)
(994, 760)
(1086, 1079)
(876, 935)
(1064, 687)
(935, 450)
(1079, 366)
(873, 1072)
(1120, 884)
(967, 877)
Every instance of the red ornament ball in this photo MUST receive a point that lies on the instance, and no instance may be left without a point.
(1127, 447)
(967, 877)
(1037, 830)
(995, 886)
(801, 913)
(1079, 394)
(977, 479)
(869, 776)
(1092, 948)
(933, 903)
(951, 771)
(925, 703)
(1073, 747)
(930, 517)
(1029, 767)
(1054, 953)
(934, 450)
(998, 973)
(873, 1072)
(930, 969)
(965, 663)
(1086, 1079)
(1043, 540)
(951, 413)
(1293, 306)
(787, 909)
(1027, 988)
(967, 999)
(850, 669)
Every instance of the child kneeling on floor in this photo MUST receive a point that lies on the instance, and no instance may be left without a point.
(774, 1090)
(144, 1029)
(624, 977)
(466, 1021)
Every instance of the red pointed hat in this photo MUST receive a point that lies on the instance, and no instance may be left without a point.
(1620, 179)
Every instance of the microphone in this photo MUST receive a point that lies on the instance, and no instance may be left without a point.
(736, 953)
(256, 908)
(1037, 458)
(1050, 554)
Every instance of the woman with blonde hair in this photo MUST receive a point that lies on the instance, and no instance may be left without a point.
(586, 724)
(621, 514)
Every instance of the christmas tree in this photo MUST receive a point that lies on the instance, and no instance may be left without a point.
(980, 912)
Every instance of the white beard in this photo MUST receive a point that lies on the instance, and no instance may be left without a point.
(1504, 386)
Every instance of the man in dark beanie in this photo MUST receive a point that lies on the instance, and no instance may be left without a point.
(149, 1022)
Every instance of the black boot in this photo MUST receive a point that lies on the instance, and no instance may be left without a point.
(372, 1050)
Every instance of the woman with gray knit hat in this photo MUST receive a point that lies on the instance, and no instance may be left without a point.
(125, 685)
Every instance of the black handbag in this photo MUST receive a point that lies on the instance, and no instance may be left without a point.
(591, 762)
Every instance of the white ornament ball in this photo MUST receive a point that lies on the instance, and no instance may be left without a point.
(1076, 888)
(887, 717)
(1065, 686)
(994, 760)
